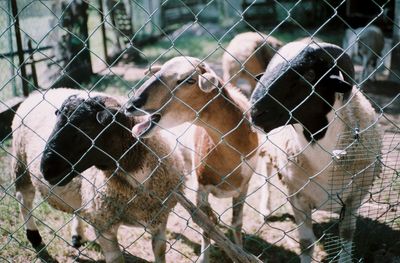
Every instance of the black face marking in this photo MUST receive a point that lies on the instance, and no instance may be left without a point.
(302, 91)
(87, 133)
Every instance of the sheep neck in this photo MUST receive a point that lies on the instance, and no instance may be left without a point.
(330, 128)
(224, 121)
(131, 162)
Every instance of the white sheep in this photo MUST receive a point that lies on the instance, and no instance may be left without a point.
(323, 140)
(366, 42)
(123, 180)
(246, 56)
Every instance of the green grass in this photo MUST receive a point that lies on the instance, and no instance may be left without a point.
(53, 225)
(195, 46)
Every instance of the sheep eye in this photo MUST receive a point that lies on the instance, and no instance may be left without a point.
(187, 81)
(190, 81)
(57, 112)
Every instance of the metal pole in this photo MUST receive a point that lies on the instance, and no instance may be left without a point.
(11, 49)
(25, 90)
(395, 63)
(103, 30)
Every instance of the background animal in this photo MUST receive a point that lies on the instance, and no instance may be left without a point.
(365, 43)
(246, 56)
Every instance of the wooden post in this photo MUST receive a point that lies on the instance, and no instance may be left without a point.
(25, 89)
(33, 66)
(103, 30)
(236, 253)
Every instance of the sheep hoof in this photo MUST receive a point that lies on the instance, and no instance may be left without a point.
(76, 241)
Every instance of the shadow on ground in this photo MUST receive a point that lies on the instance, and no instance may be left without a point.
(265, 251)
(373, 241)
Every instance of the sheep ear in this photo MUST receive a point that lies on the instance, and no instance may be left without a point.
(204, 67)
(104, 117)
(153, 69)
(208, 82)
(337, 83)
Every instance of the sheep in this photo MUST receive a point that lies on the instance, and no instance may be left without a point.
(185, 89)
(123, 180)
(367, 42)
(246, 56)
(323, 140)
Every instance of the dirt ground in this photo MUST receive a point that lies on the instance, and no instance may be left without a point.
(272, 240)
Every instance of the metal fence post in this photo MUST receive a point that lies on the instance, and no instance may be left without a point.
(25, 89)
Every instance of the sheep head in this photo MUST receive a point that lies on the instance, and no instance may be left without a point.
(174, 94)
(88, 132)
(299, 86)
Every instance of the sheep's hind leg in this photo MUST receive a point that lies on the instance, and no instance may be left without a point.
(25, 194)
(109, 245)
(347, 228)
(158, 243)
(204, 205)
(302, 214)
(237, 216)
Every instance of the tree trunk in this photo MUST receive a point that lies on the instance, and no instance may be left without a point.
(71, 63)
(395, 61)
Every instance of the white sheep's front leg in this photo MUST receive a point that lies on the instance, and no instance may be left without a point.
(204, 205)
(302, 214)
(347, 227)
(158, 242)
(77, 231)
(264, 170)
(109, 245)
(237, 216)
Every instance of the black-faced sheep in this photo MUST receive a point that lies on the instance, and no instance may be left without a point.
(247, 56)
(185, 89)
(120, 180)
(327, 150)
(366, 42)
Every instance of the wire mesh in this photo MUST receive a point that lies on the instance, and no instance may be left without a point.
(82, 180)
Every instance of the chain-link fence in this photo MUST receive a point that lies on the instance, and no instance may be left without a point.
(199, 131)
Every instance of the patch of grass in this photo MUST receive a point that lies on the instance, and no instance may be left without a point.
(53, 225)
(195, 46)
(207, 46)
(288, 34)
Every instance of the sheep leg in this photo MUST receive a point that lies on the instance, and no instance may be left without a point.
(76, 231)
(204, 205)
(265, 170)
(237, 216)
(109, 245)
(302, 214)
(365, 67)
(158, 242)
(25, 194)
(347, 228)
